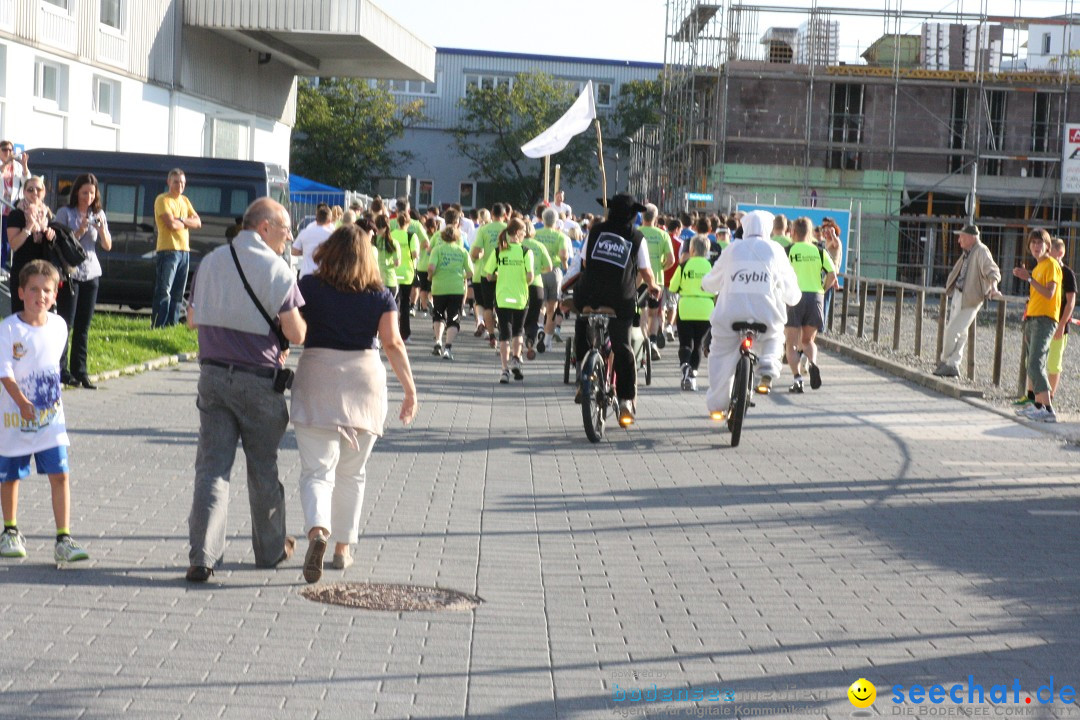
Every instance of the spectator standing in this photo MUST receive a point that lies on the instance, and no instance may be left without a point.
(311, 237)
(973, 279)
(14, 171)
(30, 345)
(1040, 321)
(28, 231)
(241, 385)
(1055, 358)
(175, 217)
(84, 217)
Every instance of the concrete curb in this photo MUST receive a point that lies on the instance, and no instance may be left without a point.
(154, 364)
(919, 378)
(1069, 432)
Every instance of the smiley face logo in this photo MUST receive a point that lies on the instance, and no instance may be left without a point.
(862, 693)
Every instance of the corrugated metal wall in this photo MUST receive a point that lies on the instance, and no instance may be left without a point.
(444, 111)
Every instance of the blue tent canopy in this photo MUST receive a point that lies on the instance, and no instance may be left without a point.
(309, 192)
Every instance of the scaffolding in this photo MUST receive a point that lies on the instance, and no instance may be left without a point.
(949, 138)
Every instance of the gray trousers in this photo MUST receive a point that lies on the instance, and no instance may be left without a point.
(956, 331)
(237, 406)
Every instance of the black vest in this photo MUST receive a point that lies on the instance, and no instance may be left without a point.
(610, 276)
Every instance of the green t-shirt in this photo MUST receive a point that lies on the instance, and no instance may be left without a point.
(784, 240)
(388, 261)
(541, 260)
(554, 241)
(487, 237)
(659, 245)
(511, 283)
(809, 262)
(694, 303)
(410, 245)
(417, 228)
(452, 267)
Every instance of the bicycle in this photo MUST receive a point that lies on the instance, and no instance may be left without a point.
(598, 374)
(742, 386)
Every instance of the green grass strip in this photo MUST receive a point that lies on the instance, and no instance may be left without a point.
(118, 340)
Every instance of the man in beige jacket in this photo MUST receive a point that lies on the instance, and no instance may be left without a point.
(972, 280)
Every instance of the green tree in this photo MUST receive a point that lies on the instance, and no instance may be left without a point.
(343, 131)
(497, 121)
(639, 104)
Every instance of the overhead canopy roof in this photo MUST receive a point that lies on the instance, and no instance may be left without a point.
(342, 38)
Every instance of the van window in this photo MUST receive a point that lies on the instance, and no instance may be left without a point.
(205, 200)
(120, 202)
(239, 200)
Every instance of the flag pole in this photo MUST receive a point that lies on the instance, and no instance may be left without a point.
(558, 170)
(600, 159)
(547, 173)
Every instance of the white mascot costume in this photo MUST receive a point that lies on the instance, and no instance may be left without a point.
(754, 282)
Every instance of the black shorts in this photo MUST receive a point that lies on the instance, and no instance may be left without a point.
(486, 296)
(446, 308)
(423, 281)
(808, 312)
(511, 323)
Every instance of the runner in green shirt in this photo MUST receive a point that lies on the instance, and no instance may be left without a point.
(449, 268)
(805, 319)
(388, 253)
(542, 265)
(780, 231)
(423, 282)
(695, 308)
(406, 271)
(509, 266)
(661, 258)
(560, 250)
(484, 290)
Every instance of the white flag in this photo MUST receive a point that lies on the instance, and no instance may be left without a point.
(574, 121)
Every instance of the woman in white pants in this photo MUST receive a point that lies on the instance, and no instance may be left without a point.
(339, 396)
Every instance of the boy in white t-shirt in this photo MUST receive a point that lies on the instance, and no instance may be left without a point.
(31, 343)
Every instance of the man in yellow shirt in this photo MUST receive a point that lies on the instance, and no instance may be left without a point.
(175, 216)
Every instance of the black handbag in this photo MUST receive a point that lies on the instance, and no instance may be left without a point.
(66, 252)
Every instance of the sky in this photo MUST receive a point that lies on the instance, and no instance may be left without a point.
(635, 29)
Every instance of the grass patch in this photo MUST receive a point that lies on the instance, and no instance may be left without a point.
(118, 340)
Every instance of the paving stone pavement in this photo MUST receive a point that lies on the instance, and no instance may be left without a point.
(870, 529)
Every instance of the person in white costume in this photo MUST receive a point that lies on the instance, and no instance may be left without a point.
(754, 282)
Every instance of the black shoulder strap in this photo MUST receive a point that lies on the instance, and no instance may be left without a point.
(283, 341)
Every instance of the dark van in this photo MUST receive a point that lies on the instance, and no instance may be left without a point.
(219, 189)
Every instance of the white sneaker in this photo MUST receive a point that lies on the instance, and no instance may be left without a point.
(12, 544)
(67, 550)
(1042, 415)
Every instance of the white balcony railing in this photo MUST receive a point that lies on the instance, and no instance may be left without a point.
(57, 28)
(112, 48)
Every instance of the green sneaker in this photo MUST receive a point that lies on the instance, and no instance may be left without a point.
(68, 551)
(12, 544)
(1021, 402)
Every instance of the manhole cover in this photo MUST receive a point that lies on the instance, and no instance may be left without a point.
(394, 598)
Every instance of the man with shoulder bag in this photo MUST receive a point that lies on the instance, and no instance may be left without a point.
(245, 304)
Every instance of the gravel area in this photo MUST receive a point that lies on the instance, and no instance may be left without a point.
(1067, 398)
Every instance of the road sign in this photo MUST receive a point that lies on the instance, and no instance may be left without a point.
(699, 197)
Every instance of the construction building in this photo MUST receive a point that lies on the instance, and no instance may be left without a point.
(914, 121)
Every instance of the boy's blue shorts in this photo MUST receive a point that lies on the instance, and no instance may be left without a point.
(49, 462)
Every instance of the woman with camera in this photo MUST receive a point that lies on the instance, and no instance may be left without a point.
(83, 215)
(339, 399)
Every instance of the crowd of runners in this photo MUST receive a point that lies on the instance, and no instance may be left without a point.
(503, 272)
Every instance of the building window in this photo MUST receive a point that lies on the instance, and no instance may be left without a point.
(49, 82)
(845, 126)
(1045, 131)
(1046, 44)
(227, 138)
(107, 99)
(411, 87)
(994, 118)
(425, 192)
(467, 195)
(958, 128)
(603, 94)
(62, 4)
(487, 82)
(111, 13)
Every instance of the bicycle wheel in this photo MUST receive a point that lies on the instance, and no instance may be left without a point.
(647, 349)
(740, 391)
(568, 362)
(593, 395)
